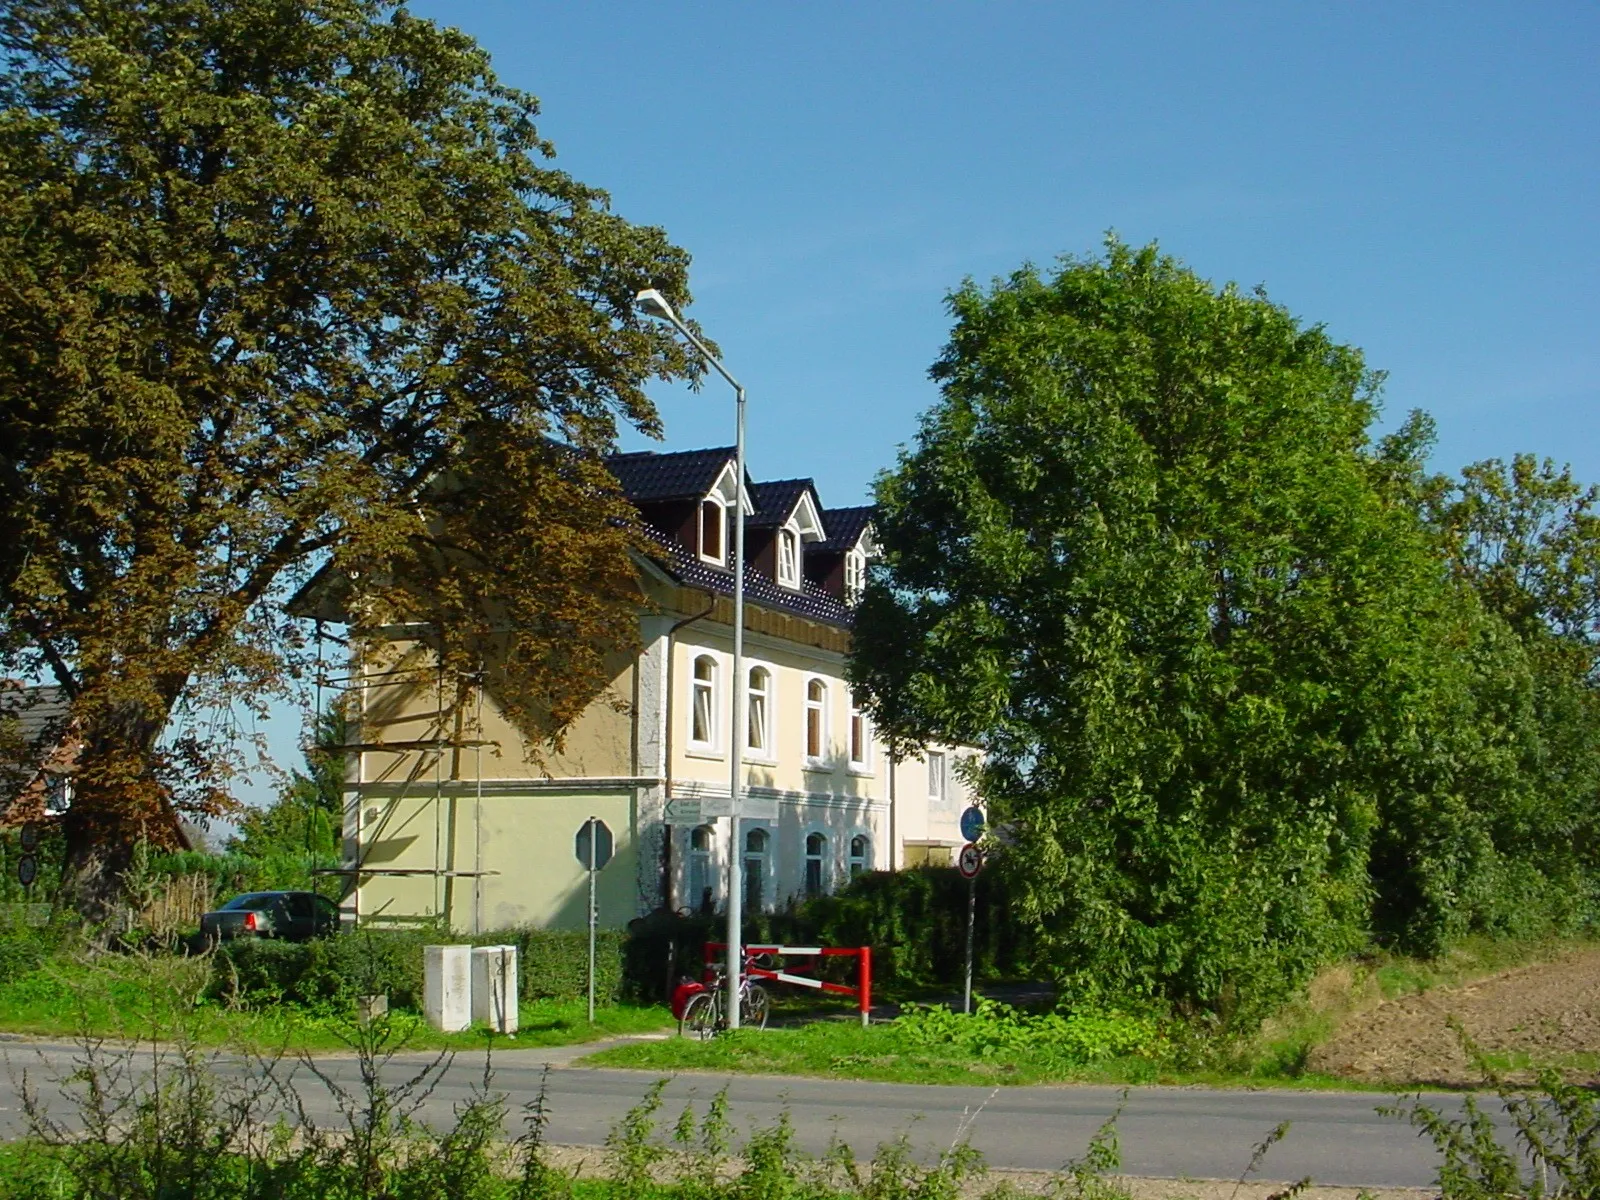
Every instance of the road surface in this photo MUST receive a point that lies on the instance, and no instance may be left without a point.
(1336, 1138)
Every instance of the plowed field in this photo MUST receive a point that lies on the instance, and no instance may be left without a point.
(1542, 1013)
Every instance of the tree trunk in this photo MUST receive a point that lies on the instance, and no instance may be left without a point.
(117, 802)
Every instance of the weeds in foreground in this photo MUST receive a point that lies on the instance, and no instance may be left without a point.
(1555, 1150)
(167, 1120)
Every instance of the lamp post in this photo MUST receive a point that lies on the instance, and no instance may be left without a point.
(652, 303)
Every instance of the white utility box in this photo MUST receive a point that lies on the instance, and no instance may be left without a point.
(494, 987)
(447, 987)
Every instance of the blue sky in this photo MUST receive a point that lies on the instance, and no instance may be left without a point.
(1420, 178)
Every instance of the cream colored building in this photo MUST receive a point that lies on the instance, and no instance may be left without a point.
(448, 819)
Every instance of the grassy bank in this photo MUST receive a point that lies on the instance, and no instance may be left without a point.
(136, 998)
(1004, 1046)
(882, 1053)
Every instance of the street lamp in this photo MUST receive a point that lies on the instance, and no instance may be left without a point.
(653, 304)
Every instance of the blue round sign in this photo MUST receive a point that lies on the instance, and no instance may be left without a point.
(972, 823)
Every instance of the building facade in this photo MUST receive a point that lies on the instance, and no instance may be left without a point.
(449, 819)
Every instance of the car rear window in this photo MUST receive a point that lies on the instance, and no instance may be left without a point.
(251, 900)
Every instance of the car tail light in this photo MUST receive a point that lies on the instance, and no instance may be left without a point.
(250, 922)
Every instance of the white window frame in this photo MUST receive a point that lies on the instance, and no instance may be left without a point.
(862, 765)
(720, 559)
(820, 858)
(789, 551)
(858, 864)
(766, 752)
(855, 576)
(713, 744)
(938, 763)
(820, 708)
(761, 873)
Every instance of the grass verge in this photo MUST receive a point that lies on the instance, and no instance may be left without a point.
(1007, 1047)
(881, 1053)
(135, 998)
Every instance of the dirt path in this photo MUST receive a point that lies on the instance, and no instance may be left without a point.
(1550, 1011)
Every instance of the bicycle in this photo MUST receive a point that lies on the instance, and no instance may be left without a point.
(703, 1014)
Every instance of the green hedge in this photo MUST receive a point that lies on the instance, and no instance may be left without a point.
(914, 920)
(552, 965)
(916, 923)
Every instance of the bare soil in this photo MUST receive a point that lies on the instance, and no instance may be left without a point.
(1548, 1012)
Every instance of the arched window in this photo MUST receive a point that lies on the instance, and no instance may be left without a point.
(758, 707)
(816, 718)
(702, 895)
(756, 842)
(859, 739)
(816, 851)
(702, 720)
(711, 528)
(860, 855)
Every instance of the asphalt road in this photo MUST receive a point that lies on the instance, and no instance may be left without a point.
(1336, 1137)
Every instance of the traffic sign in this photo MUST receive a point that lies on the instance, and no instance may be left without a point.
(970, 861)
(602, 844)
(27, 869)
(972, 823)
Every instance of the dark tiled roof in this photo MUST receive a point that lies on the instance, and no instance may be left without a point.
(647, 476)
(810, 602)
(774, 501)
(41, 714)
(844, 526)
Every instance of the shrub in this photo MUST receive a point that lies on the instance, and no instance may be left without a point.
(999, 1030)
(25, 947)
(914, 920)
(552, 965)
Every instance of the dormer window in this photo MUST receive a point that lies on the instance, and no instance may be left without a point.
(855, 576)
(713, 523)
(788, 557)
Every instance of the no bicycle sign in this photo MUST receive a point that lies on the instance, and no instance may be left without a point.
(970, 861)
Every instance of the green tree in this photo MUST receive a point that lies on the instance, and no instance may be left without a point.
(286, 283)
(1144, 555)
(1525, 536)
(305, 819)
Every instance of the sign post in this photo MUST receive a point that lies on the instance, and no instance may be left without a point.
(593, 847)
(969, 863)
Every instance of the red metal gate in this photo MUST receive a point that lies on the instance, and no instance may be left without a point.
(862, 954)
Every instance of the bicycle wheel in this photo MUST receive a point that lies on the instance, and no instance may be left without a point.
(699, 1016)
(754, 1008)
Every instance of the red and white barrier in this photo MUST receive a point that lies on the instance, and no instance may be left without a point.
(862, 954)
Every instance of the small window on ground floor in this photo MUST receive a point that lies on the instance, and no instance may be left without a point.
(756, 842)
(816, 852)
(860, 855)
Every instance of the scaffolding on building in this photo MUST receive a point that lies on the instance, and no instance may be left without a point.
(432, 752)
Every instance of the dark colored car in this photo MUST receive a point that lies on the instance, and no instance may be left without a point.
(288, 916)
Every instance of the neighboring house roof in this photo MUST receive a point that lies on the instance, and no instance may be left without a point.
(845, 527)
(37, 742)
(649, 477)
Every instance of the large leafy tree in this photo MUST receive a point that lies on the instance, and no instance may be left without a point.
(1525, 535)
(1143, 554)
(286, 283)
